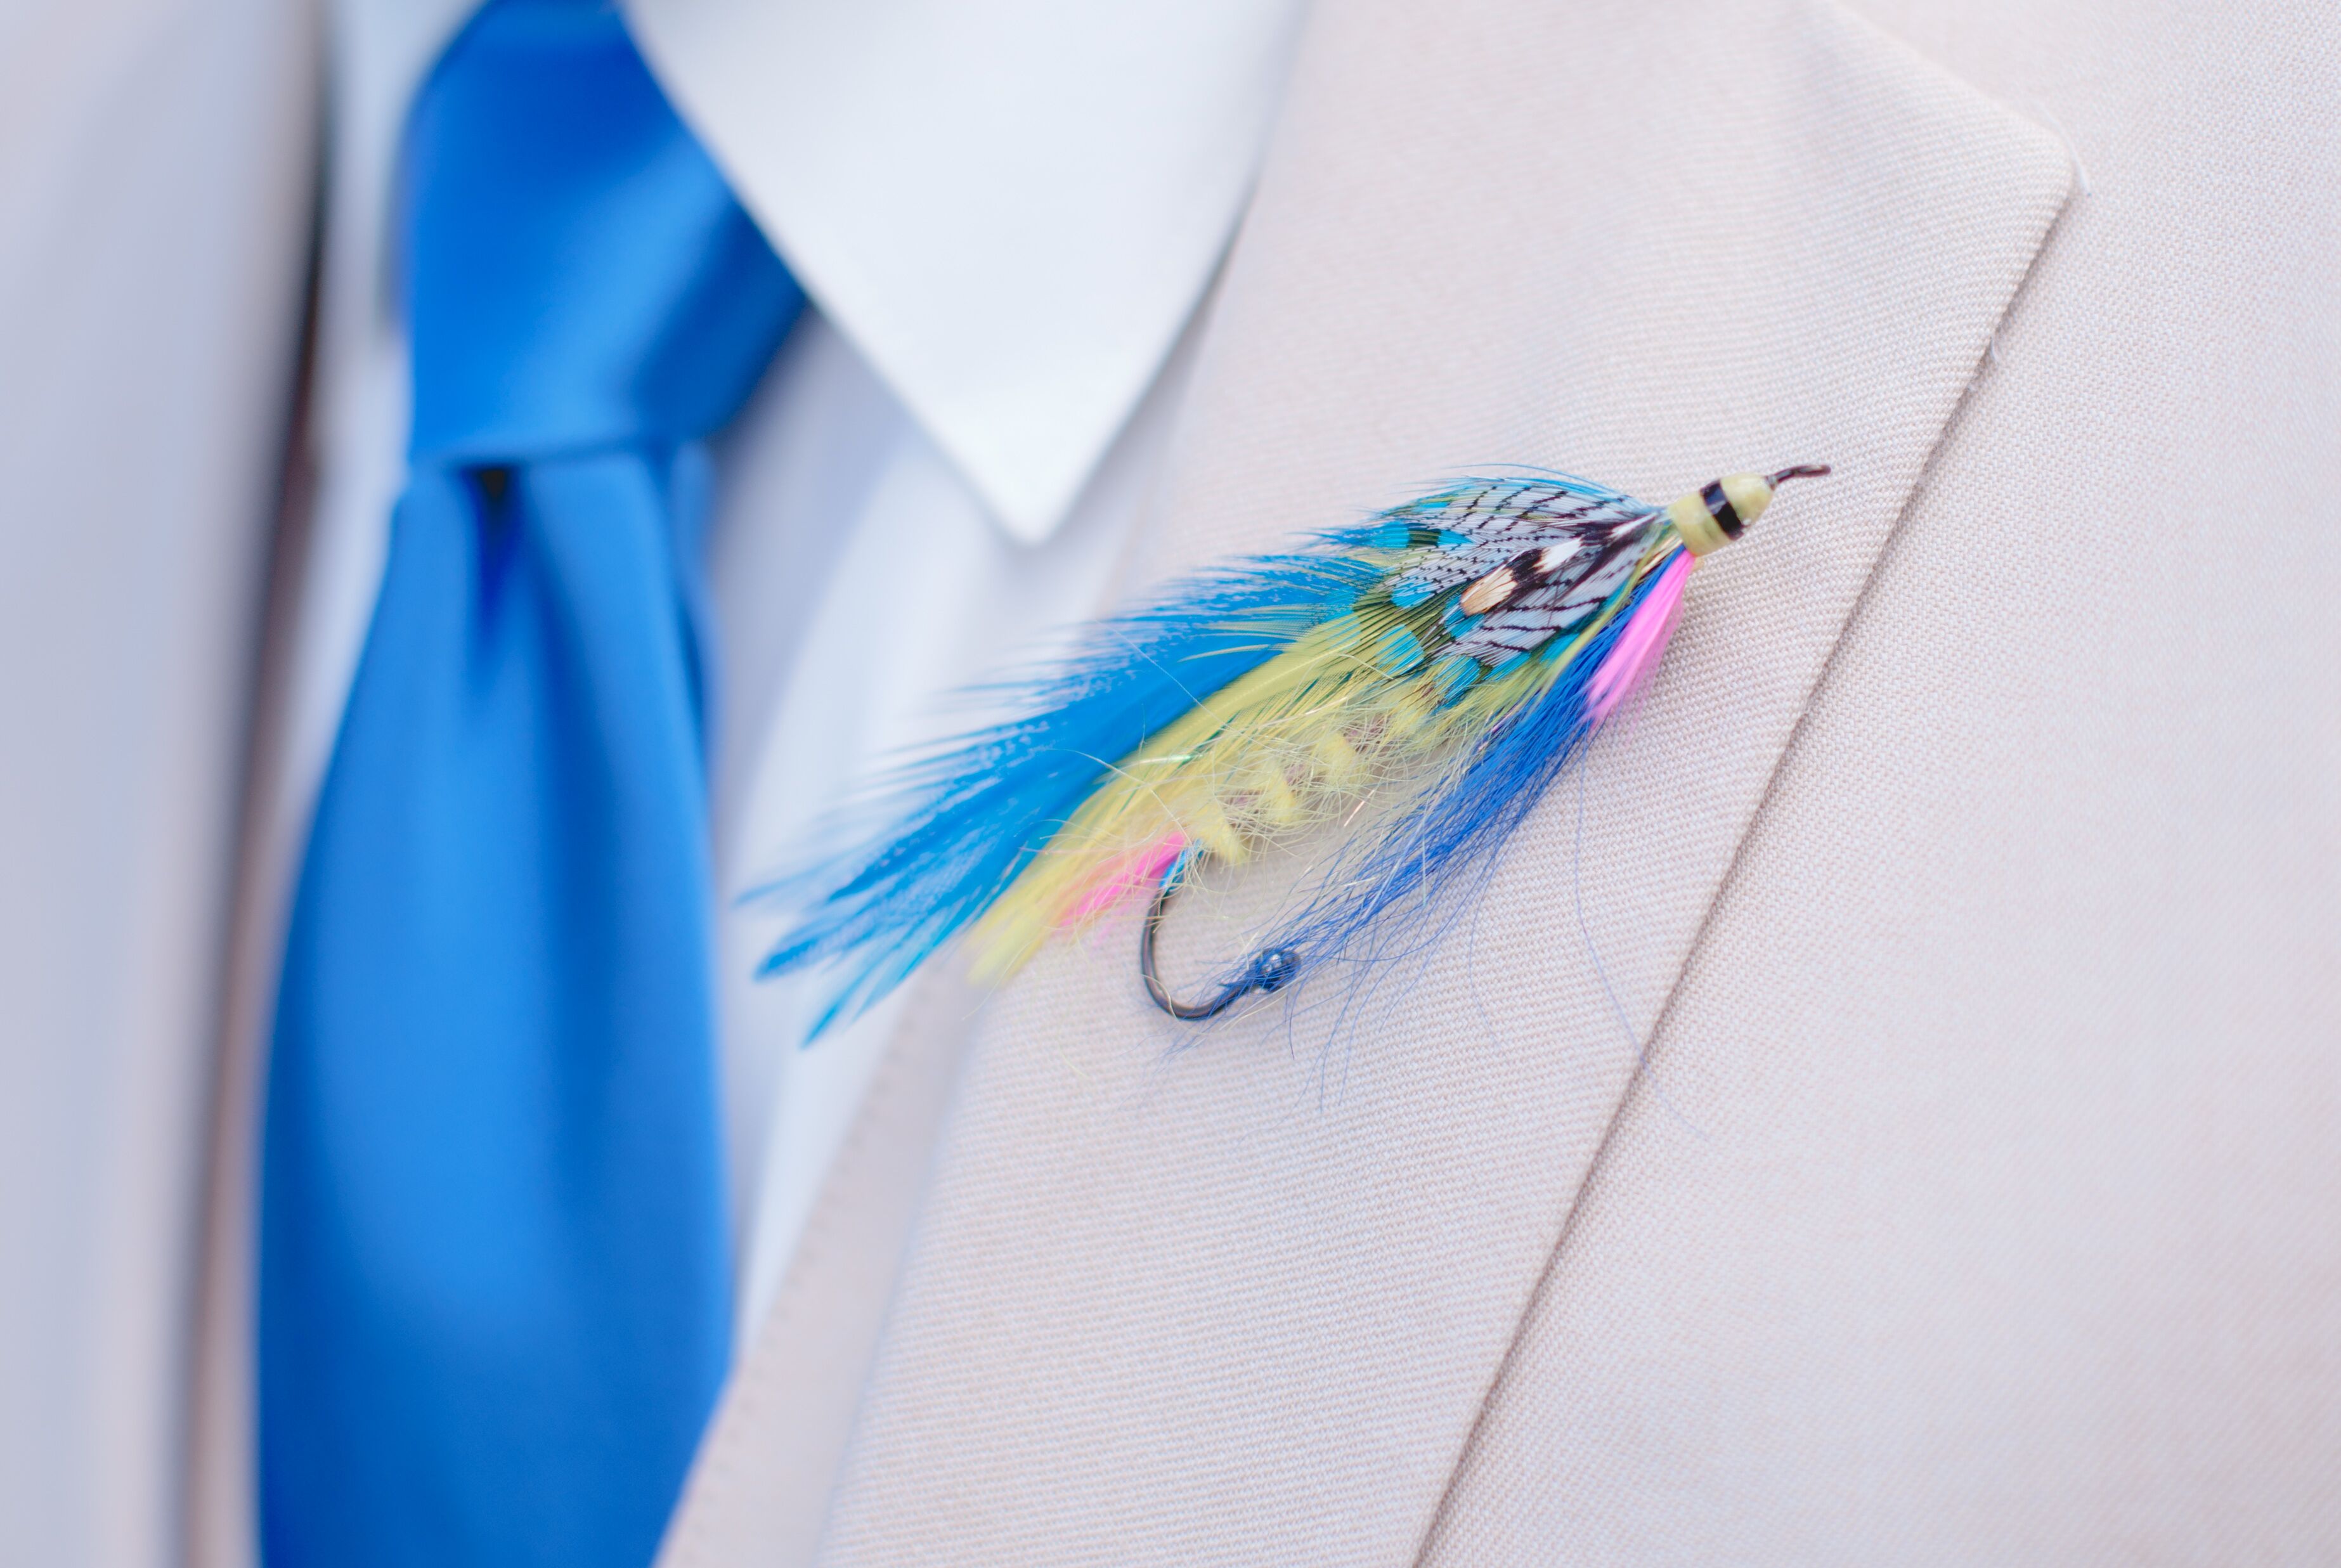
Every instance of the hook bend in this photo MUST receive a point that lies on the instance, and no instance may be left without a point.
(1271, 969)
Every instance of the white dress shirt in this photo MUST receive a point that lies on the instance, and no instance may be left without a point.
(1005, 215)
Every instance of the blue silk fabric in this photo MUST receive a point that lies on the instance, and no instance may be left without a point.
(494, 1282)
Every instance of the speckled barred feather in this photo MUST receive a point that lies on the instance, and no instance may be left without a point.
(1442, 663)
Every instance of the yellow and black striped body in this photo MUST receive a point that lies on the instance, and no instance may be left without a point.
(1712, 516)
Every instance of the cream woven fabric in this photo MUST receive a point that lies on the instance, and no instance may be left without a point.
(1983, 1202)
(1970, 872)
(1242, 1305)
(157, 187)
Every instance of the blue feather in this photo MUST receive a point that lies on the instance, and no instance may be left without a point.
(1457, 823)
(962, 823)
(967, 818)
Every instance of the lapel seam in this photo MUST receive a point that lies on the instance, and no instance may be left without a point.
(748, 1400)
(1574, 1212)
(758, 1382)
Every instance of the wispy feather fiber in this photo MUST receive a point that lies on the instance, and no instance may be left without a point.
(1340, 689)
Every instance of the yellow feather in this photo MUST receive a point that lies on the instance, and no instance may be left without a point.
(1292, 744)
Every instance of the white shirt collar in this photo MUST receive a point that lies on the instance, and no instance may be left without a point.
(1010, 207)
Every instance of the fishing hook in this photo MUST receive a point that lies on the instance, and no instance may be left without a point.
(1271, 969)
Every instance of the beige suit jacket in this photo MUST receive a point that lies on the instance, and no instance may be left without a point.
(1887, 1108)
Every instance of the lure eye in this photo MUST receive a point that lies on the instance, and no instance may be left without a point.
(1713, 516)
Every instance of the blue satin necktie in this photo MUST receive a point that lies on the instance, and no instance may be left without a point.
(494, 1288)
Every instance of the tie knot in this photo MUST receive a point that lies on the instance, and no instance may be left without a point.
(577, 271)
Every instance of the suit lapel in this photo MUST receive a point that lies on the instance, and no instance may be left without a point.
(760, 1489)
(1242, 1302)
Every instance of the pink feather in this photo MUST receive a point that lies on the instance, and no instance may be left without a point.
(1636, 651)
(1131, 873)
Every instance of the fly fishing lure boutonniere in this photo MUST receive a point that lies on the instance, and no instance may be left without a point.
(1413, 685)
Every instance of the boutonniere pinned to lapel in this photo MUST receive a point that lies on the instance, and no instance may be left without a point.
(1410, 686)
